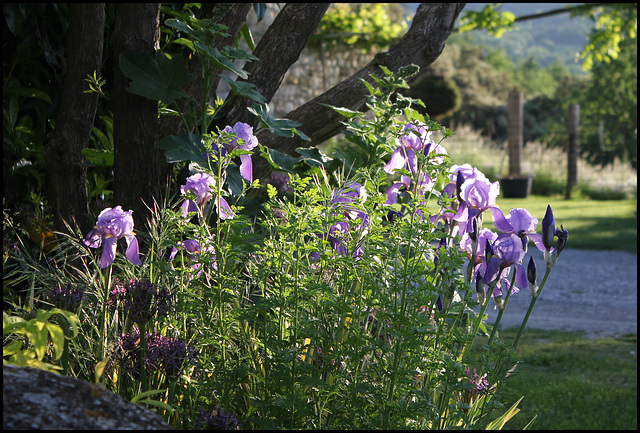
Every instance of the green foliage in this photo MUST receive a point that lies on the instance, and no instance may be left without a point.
(295, 324)
(493, 21)
(613, 24)
(34, 334)
(156, 77)
(359, 26)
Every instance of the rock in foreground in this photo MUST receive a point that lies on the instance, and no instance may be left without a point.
(37, 399)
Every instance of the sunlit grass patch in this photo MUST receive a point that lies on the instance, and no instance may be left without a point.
(572, 382)
(593, 225)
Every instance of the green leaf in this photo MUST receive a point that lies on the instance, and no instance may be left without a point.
(16, 346)
(279, 127)
(499, 422)
(198, 35)
(221, 61)
(99, 369)
(349, 114)
(155, 77)
(237, 54)
(156, 403)
(244, 89)
(247, 36)
(142, 395)
(98, 157)
(57, 337)
(186, 147)
(279, 160)
(314, 157)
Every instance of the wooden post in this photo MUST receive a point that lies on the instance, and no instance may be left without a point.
(573, 150)
(514, 132)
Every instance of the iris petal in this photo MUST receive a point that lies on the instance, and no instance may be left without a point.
(108, 251)
(246, 167)
(132, 252)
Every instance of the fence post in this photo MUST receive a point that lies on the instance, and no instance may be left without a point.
(573, 150)
(514, 132)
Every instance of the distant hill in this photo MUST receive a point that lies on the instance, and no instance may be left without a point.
(546, 39)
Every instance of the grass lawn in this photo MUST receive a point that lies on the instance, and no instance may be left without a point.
(573, 383)
(592, 224)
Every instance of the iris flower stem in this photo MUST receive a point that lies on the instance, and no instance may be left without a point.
(478, 321)
(170, 398)
(504, 306)
(533, 302)
(103, 327)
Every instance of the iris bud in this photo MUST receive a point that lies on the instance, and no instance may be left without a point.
(562, 235)
(531, 271)
(548, 228)
(459, 182)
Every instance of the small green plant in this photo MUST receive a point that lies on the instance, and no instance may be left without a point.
(26, 342)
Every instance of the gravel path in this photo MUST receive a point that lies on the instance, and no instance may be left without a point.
(591, 291)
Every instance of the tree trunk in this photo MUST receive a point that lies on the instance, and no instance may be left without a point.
(136, 167)
(284, 41)
(421, 46)
(67, 180)
(514, 133)
(573, 126)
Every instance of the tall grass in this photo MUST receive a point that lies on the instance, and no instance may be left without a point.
(548, 166)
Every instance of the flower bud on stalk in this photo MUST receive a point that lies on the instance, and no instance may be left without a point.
(532, 277)
(479, 288)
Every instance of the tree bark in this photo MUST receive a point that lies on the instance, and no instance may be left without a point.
(67, 179)
(423, 43)
(284, 41)
(136, 167)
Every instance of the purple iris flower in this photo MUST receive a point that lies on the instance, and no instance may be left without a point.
(193, 250)
(507, 251)
(423, 185)
(245, 140)
(203, 184)
(477, 196)
(437, 151)
(484, 236)
(467, 172)
(113, 224)
(519, 222)
(348, 200)
(336, 235)
(414, 139)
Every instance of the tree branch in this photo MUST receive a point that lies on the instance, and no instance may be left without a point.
(421, 45)
(284, 41)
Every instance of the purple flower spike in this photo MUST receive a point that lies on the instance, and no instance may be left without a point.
(113, 224)
(519, 222)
